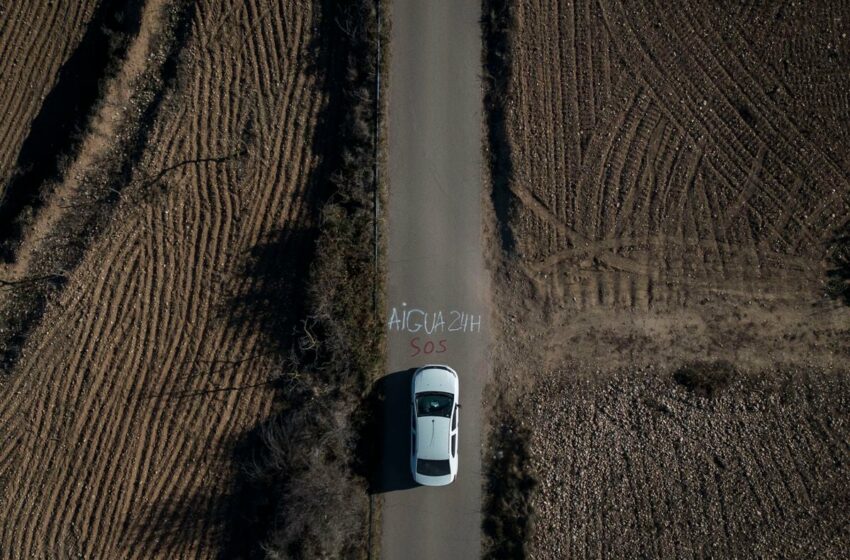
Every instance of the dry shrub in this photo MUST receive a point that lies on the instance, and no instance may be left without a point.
(321, 505)
(507, 509)
(312, 462)
(705, 379)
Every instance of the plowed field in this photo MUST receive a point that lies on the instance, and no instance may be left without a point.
(678, 173)
(151, 359)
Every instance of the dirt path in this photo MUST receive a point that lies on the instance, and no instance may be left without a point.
(436, 268)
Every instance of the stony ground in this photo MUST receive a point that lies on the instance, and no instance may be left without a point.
(641, 466)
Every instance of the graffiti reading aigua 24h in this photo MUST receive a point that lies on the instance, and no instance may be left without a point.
(428, 324)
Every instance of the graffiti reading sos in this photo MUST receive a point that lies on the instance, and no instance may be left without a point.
(428, 347)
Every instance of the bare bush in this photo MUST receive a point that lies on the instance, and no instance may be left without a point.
(507, 509)
(705, 379)
(321, 504)
(311, 460)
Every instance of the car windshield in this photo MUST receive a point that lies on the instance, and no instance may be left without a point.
(433, 468)
(434, 404)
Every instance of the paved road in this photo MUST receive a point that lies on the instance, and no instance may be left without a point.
(438, 286)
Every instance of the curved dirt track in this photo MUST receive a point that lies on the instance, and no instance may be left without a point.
(680, 156)
(679, 174)
(117, 425)
(35, 40)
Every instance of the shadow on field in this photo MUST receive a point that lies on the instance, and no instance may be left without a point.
(496, 25)
(238, 521)
(235, 523)
(57, 130)
(838, 274)
(250, 505)
(391, 398)
(272, 298)
(274, 288)
(165, 526)
(297, 489)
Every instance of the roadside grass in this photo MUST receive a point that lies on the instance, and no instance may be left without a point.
(508, 516)
(309, 461)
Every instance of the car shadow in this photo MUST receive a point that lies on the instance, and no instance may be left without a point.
(391, 399)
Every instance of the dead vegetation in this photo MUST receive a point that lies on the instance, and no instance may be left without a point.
(309, 461)
(509, 483)
(506, 516)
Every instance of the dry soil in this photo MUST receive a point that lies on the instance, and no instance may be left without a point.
(679, 172)
(151, 359)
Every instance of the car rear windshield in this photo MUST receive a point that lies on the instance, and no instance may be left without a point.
(434, 404)
(432, 468)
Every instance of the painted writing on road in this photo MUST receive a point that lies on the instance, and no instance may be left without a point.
(413, 320)
(428, 347)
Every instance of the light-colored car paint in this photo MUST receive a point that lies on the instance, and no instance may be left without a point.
(433, 437)
(433, 434)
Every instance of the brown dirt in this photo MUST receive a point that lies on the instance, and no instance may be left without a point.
(150, 364)
(678, 174)
(643, 468)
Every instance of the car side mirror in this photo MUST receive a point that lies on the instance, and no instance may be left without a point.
(457, 405)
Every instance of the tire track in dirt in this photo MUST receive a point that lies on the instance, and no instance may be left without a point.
(730, 140)
(680, 214)
(698, 199)
(145, 359)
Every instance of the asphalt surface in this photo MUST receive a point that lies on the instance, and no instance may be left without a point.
(438, 285)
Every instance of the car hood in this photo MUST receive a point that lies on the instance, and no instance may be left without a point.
(432, 437)
(436, 379)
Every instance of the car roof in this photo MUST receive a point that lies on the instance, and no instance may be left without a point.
(432, 437)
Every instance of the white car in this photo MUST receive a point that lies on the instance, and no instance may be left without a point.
(434, 410)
